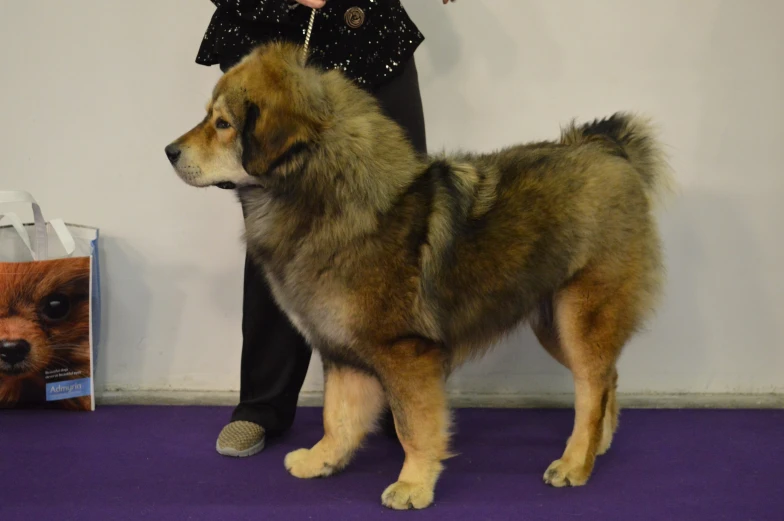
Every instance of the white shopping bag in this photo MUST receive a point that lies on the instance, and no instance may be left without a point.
(49, 309)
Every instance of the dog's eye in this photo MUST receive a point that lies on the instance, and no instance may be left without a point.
(56, 307)
(222, 124)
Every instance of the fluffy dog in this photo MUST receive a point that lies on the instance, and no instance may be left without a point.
(44, 330)
(398, 268)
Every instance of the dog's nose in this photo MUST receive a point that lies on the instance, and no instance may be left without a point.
(173, 153)
(14, 351)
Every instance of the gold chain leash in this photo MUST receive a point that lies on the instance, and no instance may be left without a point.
(307, 34)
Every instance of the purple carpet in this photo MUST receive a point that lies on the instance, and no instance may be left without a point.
(159, 464)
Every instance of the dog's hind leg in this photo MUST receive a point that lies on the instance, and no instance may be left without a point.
(353, 401)
(543, 325)
(611, 413)
(413, 374)
(594, 315)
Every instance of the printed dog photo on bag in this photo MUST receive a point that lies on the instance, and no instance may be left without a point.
(45, 334)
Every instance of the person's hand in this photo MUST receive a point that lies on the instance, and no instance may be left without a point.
(316, 4)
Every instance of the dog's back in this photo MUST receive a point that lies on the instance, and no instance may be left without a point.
(510, 229)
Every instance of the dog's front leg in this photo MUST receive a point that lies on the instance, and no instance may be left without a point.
(413, 375)
(353, 401)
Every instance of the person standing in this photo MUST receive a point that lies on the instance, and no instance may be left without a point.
(373, 43)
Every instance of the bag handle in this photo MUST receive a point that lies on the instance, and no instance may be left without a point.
(18, 225)
(66, 239)
(41, 250)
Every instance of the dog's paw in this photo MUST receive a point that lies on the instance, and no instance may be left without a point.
(562, 473)
(405, 496)
(306, 464)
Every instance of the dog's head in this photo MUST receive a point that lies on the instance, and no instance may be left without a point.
(44, 317)
(263, 113)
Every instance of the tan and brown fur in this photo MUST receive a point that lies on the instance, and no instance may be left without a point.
(399, 268)
(60, 341)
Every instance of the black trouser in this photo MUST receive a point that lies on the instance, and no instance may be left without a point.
(275, 357)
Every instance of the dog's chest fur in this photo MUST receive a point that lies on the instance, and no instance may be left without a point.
(300, 274)
(322, 314)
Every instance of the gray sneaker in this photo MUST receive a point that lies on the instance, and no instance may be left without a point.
(240, 439)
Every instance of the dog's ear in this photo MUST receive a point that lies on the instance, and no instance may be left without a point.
(268, 138)
(251, 144)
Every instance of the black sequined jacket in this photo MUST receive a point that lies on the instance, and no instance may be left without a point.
(370, 40)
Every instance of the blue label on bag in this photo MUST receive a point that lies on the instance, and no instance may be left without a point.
(67, 389)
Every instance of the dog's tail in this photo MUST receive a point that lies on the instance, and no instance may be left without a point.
(634, 139)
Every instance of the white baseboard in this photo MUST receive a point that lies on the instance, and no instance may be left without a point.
(523, 401)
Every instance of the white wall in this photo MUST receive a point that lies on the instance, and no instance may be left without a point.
(91, 91)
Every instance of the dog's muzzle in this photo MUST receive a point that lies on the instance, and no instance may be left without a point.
(173, 152)
(13, 352)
